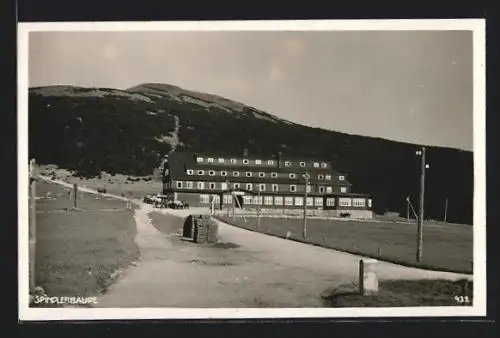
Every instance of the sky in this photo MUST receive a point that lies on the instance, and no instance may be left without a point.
(409, 86)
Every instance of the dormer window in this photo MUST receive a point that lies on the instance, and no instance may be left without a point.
(316, 165)
(236, 173)
(302, 164)
(288, 163)
(233, 161)
(200, 172)
(291, 175)
(245, 161)
(189, 171)
(248, 174)
(210, 160)
(262, 174)
(270, 162)
(341, 178)
(223, 173)
(323, 165)
(211, 173)
(293, 188)
(258, 162)
(274, 175)
(199, 159)
(320, 177)
(328, 177)
(221, 160)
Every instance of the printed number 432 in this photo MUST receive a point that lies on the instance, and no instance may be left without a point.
(462, 299)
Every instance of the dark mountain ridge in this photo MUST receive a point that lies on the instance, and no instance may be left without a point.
(129, 131)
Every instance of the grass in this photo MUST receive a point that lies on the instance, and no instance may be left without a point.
(79, 252)
(446, 248)
(404, 293)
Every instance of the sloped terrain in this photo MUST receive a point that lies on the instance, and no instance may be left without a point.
(128, 131)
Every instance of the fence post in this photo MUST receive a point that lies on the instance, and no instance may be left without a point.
(75, 195)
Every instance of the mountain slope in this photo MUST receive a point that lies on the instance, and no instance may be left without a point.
(128, 131)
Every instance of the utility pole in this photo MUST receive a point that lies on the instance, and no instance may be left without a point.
(306, 177)
(445, 209)
(258, 208)
(420, 228)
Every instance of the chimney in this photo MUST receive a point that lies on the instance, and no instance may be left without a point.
(245, 153)
(279, 159)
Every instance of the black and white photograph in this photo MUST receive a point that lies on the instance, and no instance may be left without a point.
(285, 169)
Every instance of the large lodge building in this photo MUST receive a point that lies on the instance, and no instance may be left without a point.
(246, 182)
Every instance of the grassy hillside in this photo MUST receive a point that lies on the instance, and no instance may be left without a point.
(94, 129)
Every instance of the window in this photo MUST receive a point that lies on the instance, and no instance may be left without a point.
(288, 200)
(245, 161)
(278, 200)
(369, 203)
(236, 185)
(236, 173)
(227, 199)
(358, 202)
(328, 177)
(247, 200)
(248, 174)
(341, 178)
(288, 163)
(291, 175)
(233, 161)
(321, 189)
(210, 160)
(221, 160)
(274, 175)
(179, 185)
(344, 202)
(330, 202)
(189, 185)
(189, 171)
(199, 159)
(302, 164)
(212, 185)
(248, 186)
(270, 162)
(320, 177)
(268, 200)
(257, 200)
(200, 172)
(200, 185)
(204, 198)
(215, 198)
(211, 173)
(318, 201)
(299, 201)
(258, 162)
(308, 188)
(262, 187)
(275, 187)
(328, 190)
(309, 201)
(223, 186)
(262, 174)
(293, 188)
(316, 165)
(323, 165)
(223, 173)
(343, 189)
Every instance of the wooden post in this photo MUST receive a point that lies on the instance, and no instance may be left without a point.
(32, 227)
(75, 195)
(420, 227)
(445, 209)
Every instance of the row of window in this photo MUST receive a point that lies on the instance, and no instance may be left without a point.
(258, 162)
(248, 186)
(260, 174)
(287, 200)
